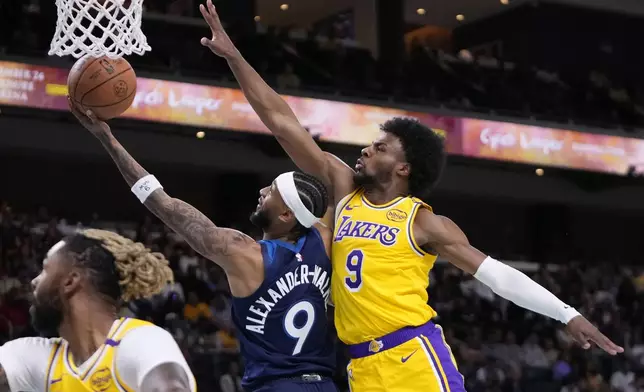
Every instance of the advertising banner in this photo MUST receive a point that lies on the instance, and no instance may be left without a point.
(204, 106)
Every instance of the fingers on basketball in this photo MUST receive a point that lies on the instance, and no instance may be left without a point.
(105, 86)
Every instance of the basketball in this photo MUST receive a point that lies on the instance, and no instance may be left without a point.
(103, 85)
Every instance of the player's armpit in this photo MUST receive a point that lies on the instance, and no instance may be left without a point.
(4, 381)
(443, 236)
(168, 377)
(341, 177)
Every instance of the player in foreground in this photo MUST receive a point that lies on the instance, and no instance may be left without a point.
(280, 285)
(76, 297)
(386, 241)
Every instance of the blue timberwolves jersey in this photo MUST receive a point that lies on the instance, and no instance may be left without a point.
(283, 327)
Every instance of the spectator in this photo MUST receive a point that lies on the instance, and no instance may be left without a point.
(623, 380)
(288, 79)
(230, 380)
(196, 310)
(532, 355)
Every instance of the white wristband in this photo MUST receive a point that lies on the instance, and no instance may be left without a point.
(144, 187)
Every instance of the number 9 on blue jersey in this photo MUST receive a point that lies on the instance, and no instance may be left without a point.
(299, 332)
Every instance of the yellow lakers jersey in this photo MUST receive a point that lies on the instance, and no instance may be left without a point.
(380, 274)
(99, 374)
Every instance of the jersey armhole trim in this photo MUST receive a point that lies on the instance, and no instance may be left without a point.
(119, 381)
(343, 203)
(51, 363)
(410, 230)
(117, 337)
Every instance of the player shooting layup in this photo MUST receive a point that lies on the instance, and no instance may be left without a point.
(387, 240)
(280, 284)
(83, 279)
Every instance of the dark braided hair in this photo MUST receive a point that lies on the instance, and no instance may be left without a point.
(313, 194)
(119, 268)
(424, 151)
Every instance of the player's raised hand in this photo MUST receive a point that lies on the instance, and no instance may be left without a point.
(220, 44)
(585, 333)
(89, 120)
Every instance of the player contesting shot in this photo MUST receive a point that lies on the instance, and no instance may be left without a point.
(280, 285)
(386, 241)
(76, 296)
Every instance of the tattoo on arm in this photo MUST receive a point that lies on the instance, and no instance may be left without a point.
(202, 235)
(4, 382)
(168, 377)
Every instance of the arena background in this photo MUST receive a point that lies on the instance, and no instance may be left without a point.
(541, 104)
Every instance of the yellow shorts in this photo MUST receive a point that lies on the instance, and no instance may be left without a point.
(422, 364)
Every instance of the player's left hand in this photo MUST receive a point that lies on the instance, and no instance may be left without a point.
(220, 43)
(584, 333)
(89, 120)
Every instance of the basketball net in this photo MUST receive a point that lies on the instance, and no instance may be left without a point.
(97, 28)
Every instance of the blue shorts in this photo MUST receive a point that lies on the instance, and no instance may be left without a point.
(292, 385)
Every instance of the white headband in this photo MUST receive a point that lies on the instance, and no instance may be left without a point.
(286, 186)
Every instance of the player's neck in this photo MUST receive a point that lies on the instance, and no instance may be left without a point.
(383, 194)
(285, 238)
(86, 328)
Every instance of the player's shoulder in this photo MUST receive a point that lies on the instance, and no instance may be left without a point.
(32, 345)
(146, 334)
(25, 361)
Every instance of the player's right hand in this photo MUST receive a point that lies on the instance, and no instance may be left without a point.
(220, 44)
(89, 120)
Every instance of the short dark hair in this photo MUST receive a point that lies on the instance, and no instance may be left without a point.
(424, 150)
(313, 194)
(118, 268)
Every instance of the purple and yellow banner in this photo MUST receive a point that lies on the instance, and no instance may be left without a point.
(547, 146)
(340, 122)
(208, 106)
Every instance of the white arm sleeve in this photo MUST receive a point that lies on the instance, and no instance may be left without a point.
(145, 348)
(517, 287)
(25, 363)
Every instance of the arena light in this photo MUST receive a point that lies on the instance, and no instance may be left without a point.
(460, 17)
(421, 11)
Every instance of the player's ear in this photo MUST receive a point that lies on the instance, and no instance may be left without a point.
(72, 282)
(286, 216)
(403, 169)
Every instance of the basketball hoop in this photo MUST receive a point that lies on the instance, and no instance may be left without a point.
(97, 28)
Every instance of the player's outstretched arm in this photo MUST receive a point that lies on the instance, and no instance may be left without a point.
(276, 114)
(226, 247)
(443, 236)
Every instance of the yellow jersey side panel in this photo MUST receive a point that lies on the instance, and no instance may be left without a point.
(380, 275)
(98, 375)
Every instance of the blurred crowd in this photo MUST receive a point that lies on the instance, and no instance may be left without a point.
(323, 60)
(498, 346)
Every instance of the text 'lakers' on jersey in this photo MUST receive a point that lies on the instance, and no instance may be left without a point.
(380, 274)
(99, 374)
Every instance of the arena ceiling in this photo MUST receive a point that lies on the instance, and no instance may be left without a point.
(437, 12)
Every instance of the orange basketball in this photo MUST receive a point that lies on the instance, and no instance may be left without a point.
(105, 86)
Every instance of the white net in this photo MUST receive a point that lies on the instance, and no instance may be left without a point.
(99, 28)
